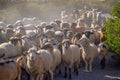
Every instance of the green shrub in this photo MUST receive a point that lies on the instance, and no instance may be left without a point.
(112, 30)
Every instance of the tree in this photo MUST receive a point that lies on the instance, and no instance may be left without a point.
(112, 30)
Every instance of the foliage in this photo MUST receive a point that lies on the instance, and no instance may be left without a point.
(116, 10)
(112, 30)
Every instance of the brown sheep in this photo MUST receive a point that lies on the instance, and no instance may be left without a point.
(10, 70)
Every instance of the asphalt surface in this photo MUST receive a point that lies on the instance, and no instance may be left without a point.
(111, 72)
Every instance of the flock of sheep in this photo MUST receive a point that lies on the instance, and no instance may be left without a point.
(59, 45)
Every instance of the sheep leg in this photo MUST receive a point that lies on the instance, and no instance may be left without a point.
(37, 77)
(86, 66)
(65, 75)
(74, 68)
(77, 66)
(51, 74)
(59, 71)
(19, 73)
(70, 73)
(59, 67)
(42, 77)
(45, 77)
(102, 63)
(90, 65)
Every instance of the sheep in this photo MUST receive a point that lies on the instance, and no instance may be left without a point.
(69, 35)
(75, 38)
(58, 22)
(50, 33)
(90, 35)
(43, 25)
(95, 36)
(64, 25)
(9, 33)
(2, 35)
(59, 35)
(89, 52)
(54, 24)
(22, 61)
(29, 27)
(39, 30)
(42, 39)
(12, 48)
(10, 70)
(48, 27)
(7, 49)
(80, 26)
(18, 23)
(10, 26)
(3, 24)
(20, 30)
(70, 56)
(103, 51)
(29, 40)
(76, 14)
(28, 21)
(39, 63)
(63, 16)
(53, 49)
(73, 26)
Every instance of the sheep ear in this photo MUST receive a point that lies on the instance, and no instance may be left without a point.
(62, 42)
(10, 39)
(19, 59)
(25, 53)
(71, 43)
(37, 53)
(19, 39)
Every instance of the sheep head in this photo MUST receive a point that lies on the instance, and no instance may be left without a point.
(84, 41)
(31, 54)
(14, 40)
(88, 33)
(66, 43)
(48, 46)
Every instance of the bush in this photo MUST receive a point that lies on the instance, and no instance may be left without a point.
(116, 10)
(112, 30)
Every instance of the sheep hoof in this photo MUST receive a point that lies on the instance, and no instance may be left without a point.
(59, 71)
(86, 71)
(70, 77)
(90, 71)
(65, 76)
(103, 67)
(77, 73)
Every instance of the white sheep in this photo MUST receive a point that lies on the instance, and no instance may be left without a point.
(50, 33)
(64, 25)
(54, 24)
(70, 56)
(89, 52)
(39, 63)
(55, 53)
(20, 30)
(12, 48)
(3, 37)
(59, 35)
(9, 33)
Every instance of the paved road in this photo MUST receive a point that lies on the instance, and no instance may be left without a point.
(109, 73)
